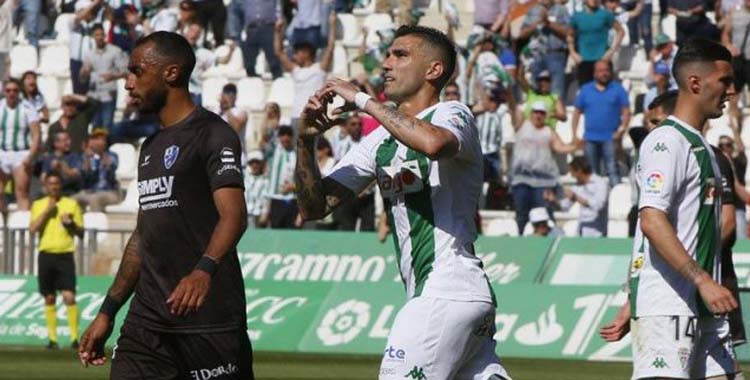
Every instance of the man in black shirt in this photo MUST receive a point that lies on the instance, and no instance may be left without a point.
(187, 319)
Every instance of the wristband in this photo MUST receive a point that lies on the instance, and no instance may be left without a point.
(110, 307)
(360, 100)
(207, 265)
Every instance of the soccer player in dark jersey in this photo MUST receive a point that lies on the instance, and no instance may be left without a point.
(187, 318)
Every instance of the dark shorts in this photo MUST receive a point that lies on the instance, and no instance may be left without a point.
(736, 328)
(57, 271)
(146, 354)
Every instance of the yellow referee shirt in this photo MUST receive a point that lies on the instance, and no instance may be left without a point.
(53, 237)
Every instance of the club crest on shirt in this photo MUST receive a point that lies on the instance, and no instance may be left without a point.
(170, 156)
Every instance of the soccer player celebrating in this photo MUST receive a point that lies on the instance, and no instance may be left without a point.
(679, 329)
(427, 160)
(188, 316)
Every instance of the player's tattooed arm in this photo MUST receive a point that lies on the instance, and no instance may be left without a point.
(128, 272)
(424, 137)
(316, 196)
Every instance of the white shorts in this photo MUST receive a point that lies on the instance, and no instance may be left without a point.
(681, 347)
(10, 160)
(438, 339)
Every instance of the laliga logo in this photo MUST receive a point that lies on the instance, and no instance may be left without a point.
(344, 322)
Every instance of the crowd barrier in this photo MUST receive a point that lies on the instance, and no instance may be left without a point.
(330, 292)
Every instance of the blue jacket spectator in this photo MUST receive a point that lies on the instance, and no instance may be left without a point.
(100, 186)
(63, 161)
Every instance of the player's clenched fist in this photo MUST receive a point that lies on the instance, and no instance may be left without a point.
(91, 350)
(718, 298)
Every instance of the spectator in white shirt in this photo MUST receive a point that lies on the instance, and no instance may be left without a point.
(256, 187)
(6, 35)
(102, 67)
(592, 193)
(235, 117)
(87, 14)
(32, 96)
(204, 59)
(165, 19)
(307, 74)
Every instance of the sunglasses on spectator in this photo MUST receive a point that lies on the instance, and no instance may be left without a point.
(13, 89)
(452, 93)
(726, 145)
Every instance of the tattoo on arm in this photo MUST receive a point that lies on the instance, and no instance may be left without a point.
(692, 271)
(316, 196)
(128, 272)
(397, 119)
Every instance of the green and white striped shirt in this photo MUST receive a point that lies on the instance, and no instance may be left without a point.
(256, 187)
(490, 130)
(677, 173)
(431, 205)
(15, 133)
(281, 171)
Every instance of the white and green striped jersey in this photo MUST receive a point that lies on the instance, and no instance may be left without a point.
(15, 134)
(431, 205)
(677, 174)
(490, 129)
(256, 187)
(281, 171)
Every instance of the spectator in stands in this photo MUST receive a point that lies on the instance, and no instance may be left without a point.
(204, 59)
(542, 92)
(102, 67)
(135, 127)
(100, 187)
(235, 117)
(19, 129)
(533, 168)
(606, 107)
(546, 27)
(485, 71)
(540, 221)
(88, 13)
(591, 192)
(692, 20)
(451, 91)
(58, 220)
(32, 96)
(161, 17)
(187, 15)
(307, 74)
(488, 115)
(212, 12)
(326, 162)
(62, 161)
(734, 149)
(126, 27)
(340, 140)
(664, 55)
(491, 14)
(735, 36)
(32, 16)
(283, 207)
(258, 20)
(661, 74)
(307, 23)
(7, 34)
(256, 187)
(588, 41)
(638, 18)
(77, 113)
(269, 129)
(361, 207)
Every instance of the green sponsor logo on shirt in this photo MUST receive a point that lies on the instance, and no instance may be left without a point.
(416, 373)
(660, 147)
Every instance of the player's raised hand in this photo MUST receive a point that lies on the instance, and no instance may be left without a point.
(619, 327)
(315, 118)
(346, 90)
(190, 293)
(718, 298)
(91, 349)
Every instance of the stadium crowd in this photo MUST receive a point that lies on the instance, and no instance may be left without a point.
(534, 72)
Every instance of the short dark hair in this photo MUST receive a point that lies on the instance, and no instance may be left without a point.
(582, 164)
(172, 48)
(285, 130)
(229, 89)
(15, 81)
(666, 101)
(29, 73)
(304, 45)
(438, 41)
(187, 5)
(324, 144)
(96, 27)
(698, 50)
(53, 173)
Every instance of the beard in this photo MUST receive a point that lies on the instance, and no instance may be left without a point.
(153, 101)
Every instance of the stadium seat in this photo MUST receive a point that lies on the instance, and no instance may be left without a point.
(19, 219)
(50, 88)
(122, 95)
(669, 26)
(620, 202)
(67, 87)
(366, 10)
(54, 60)
(128, 160)
(501, 227)
(129, 205)
(261, 65)
(352, 31)
(570, 228)
(96, 221)
(22, 58)
(719, 127)
(282, 92)
(63, 25)
(232, 69)
(506, 123)
(251, 94)
(374, 23)
(340, 62)
(617, 228)
(211, 91)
